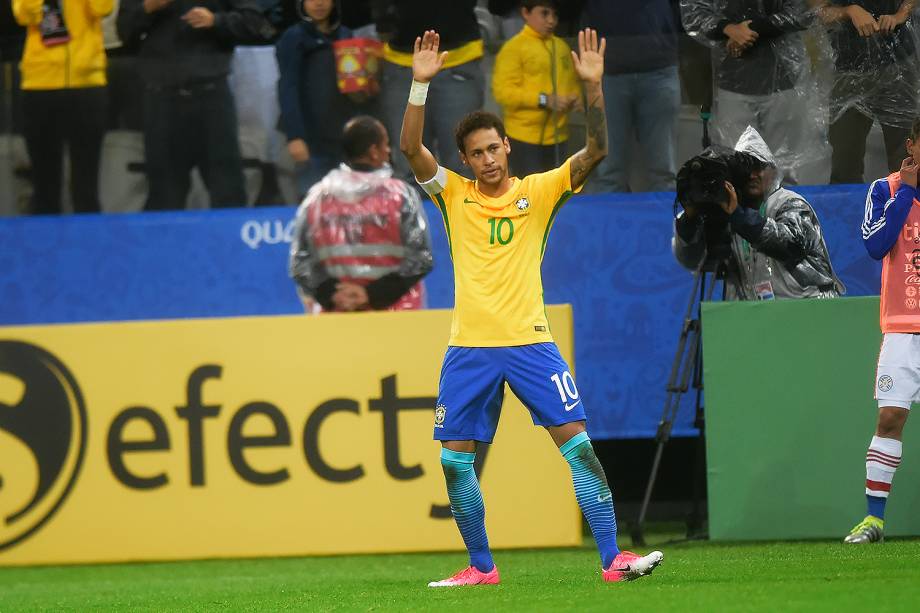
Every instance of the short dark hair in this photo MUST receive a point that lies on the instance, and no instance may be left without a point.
(360, 134)
(914, 130)
(478, 120)
(532, 4)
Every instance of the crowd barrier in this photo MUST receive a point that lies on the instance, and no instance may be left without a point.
(608, 255)
(789, 416)
(257, 436)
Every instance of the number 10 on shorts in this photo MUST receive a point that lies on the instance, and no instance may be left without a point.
(565, 385)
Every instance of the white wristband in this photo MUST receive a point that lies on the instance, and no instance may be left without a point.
(418, 93)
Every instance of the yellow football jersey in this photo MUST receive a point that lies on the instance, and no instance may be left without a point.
(497, 248)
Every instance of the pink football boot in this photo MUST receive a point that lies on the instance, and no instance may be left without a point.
(469, 576)
(628, 566)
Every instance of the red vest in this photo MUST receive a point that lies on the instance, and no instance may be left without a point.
(362, 241)
(900, 296)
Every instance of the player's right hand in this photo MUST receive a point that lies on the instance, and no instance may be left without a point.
(909, 171)
(426, 61)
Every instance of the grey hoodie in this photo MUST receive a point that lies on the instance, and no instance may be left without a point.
(779, 249)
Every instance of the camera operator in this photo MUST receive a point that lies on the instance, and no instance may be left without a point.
(767, 238)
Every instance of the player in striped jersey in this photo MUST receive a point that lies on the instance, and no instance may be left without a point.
(497, 227)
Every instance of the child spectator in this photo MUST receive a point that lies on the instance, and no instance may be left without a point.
(535, 84)
(313, 111)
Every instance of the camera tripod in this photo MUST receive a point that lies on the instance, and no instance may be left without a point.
(688, 362)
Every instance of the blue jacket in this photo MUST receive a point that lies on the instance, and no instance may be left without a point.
(885, 216)
(312, 108)
(641, 34)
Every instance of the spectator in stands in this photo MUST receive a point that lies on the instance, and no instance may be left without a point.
(641, 89)
(762, 74)
(460, 86)
(63, 97)
(313, 111)
(770, 243)
(535, 84)
(189, 115)
(361, 240)
(875, 80)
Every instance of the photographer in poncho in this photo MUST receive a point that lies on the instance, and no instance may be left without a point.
(765, 239)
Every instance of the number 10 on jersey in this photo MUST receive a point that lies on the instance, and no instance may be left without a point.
(502, 229)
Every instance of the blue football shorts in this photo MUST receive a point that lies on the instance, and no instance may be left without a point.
(472, 388)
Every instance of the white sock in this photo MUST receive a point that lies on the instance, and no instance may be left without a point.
(882, 459)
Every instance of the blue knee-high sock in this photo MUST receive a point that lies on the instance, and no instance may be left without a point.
(466, 505)
(876, 505)
(593, 494)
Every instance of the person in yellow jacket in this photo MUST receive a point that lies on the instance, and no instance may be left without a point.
(534, 82)
(63, 97)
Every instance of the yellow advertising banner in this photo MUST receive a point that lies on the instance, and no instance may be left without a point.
(260, 436)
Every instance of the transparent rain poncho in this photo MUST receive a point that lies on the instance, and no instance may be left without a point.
(365, 228)
(785, 258)
(872, 57)
(770, 84)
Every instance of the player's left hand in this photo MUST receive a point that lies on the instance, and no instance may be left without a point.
(732, 204)
(589, 61)
(199, 17)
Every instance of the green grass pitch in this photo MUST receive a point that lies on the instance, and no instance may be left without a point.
(697, 576)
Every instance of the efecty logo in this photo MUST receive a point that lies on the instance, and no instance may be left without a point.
(42, 438)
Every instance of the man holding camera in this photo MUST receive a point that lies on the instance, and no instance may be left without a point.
(766, 240)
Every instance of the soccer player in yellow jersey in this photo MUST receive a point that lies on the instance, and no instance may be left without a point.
(497, 228)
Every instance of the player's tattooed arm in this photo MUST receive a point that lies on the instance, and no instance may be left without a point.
(589, 64)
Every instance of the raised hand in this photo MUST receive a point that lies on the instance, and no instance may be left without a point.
(426, 61)
(589, 61)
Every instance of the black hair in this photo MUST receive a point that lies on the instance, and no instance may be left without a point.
(360, 134)
(532, 4)
(334, 19)
(914, 130)
(478, 120)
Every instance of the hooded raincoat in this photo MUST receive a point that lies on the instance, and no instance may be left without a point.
(777, 250)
